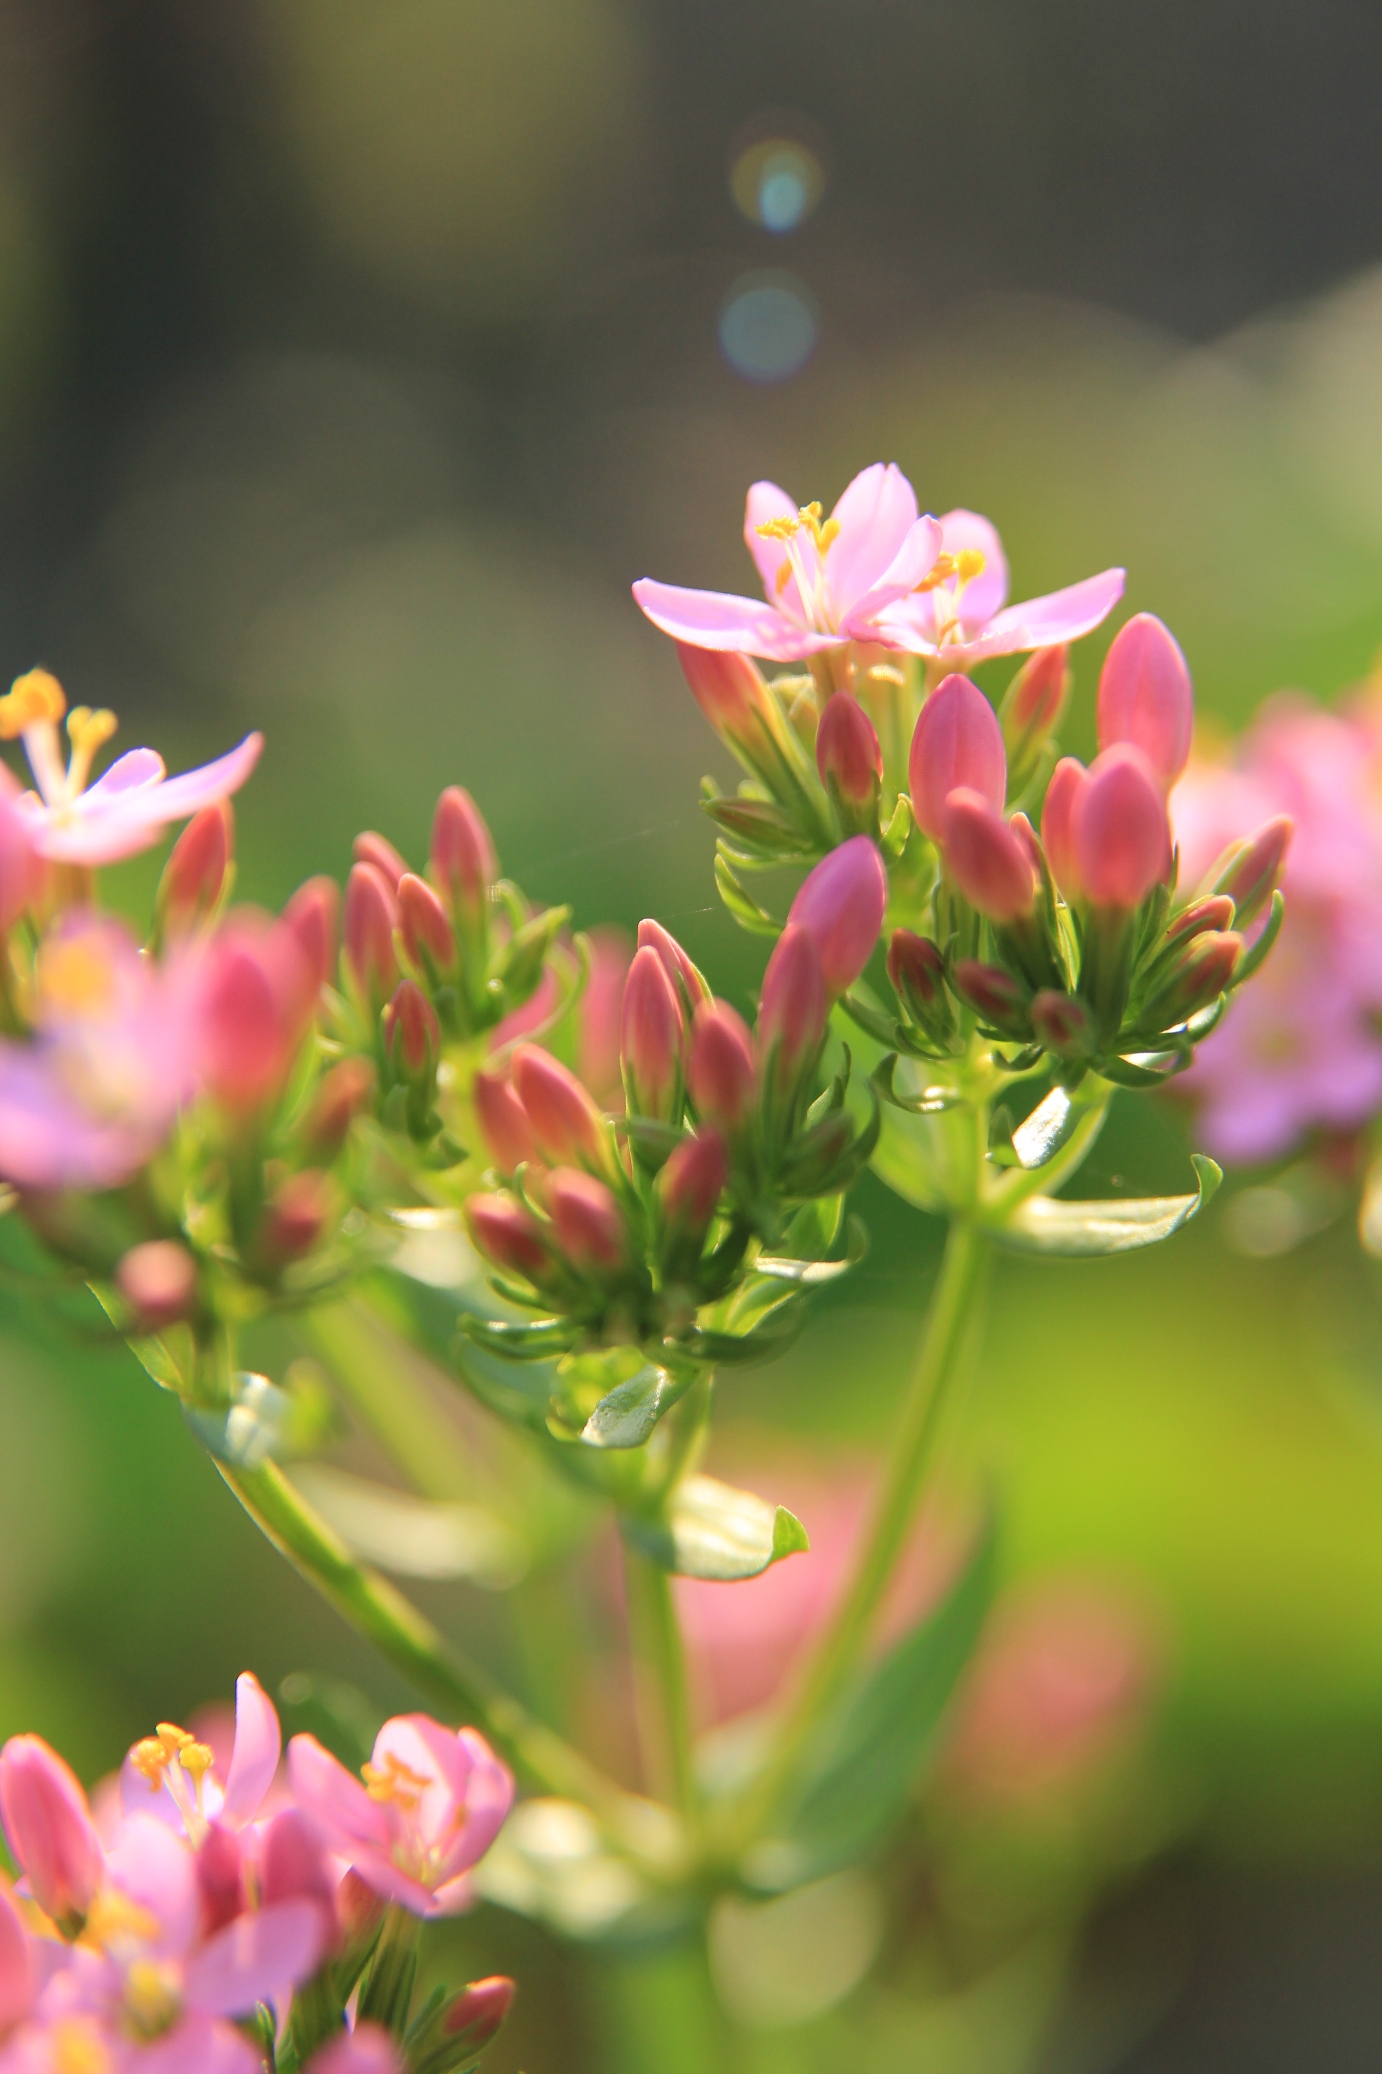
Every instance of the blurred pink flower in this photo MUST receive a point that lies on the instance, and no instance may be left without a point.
(1300, 1048)
(48, 1828)
(963, 619)
(826, 582)
(185, 1782)
(129, 806)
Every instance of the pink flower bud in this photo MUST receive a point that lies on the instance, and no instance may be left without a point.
(508, 1235)
(793, 1008)
(651, 1035)
(1146, 698)
(1061, 1024)
(503, 1121)
(220, 1878)
(587, 1221)
(1021, 828)
(21, 871)
(479, 2010)
(368, 2049)
(720, 1071)
(371, 848)
(195, 874)
(294, 1865)
(841, 906)
(463, 861)
(314, 917)
(683, 974)
(731, 692)
(1118, 830)
(359, 1910)
(848, 755)
(1251, 876)
(1066, 781)
(995, 994)
(158, 1281)
(568, 1127)
(917, 971)
(412, 1034)
(987, 861)
(692, 1182)
(428, 936)
(1036, 696)
(49, 1830)
(957, 741)
(16, 1963)
(295, 1217)
(371, 916)
(345, 1091)
(1215, 912)
(256, 1004)
(1199, 976)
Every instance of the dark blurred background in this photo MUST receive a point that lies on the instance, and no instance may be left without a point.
(353, 360)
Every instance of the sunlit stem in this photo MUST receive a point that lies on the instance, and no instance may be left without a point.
(660, 1687)
(385, 1381)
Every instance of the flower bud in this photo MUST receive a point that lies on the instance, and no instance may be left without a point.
(1066, 781)
(371, 848)
(367, 2049)
(1215, 912)
(1032, 706)
(1250, 875)
(731, 692)
(1146, 698)
(476, 2014)
(840, 907)
(16, 1963)
(994, 994)
(158, 1281)
(1063, 1025)
(986, 860)
(957, 741)
(587, 1222)
(220, 1878)
(689, 980)
(1198, 977)
(256, 1003)
(295, 1217)
(21, 870)
(568, 1127)
(508, 1235)
(427, 935)
(793, 1008)
(49, 1830)
(294, 1865)
(412, 1034)
(651, 1034)
(371, 916)
(720, 1071)
(503, 1121)
(195, 875)
(345, 1091)
(359, 1912)
(850, 761)
(1119, 832)
(689, 1189)
(917, 971)
(464, 865)
(314, 917)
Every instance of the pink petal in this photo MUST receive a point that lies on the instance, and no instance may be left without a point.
(368, 2049)
(379, 1873)
(136, 768)
(714, 619)
(258, 1746)
(488, 1795)
(157, 1870)
(874, 514)
(191, 791)
(197, 2046)
(766, 501)
(47, 1140)
(984, 594)
(336, 1802)
(914, 559)
(255, 1958)
(454, 1897)
(1043, 622)
(138, 1796)
(16, 1965)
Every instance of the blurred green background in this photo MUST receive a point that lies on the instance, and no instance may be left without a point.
(353, 360)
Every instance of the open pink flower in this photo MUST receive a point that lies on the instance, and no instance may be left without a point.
(176, 1778)
(963, 618)
(432, 1802)
(827, 582)
(129, 806)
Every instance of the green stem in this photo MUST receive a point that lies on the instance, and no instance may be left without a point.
(894, 1510)
(386, 1382)
(659, 1663)
(440, 1672)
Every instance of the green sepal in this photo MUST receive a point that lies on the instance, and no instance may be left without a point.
(708, 1529)
(518, 967)
(759, 831)
(746, 911)
(813, 1274)
(930, 1102)
(517, 1341)
(893, 841)
(628, 1415)
(1256, 952)
(1043, 1225)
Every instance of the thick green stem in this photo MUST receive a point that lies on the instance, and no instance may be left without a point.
(441, 1673)
(660, 1688)
(894, 1509)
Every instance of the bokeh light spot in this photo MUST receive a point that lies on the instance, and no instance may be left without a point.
(768, 327)
(776, 182)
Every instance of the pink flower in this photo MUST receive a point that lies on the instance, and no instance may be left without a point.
(174, 1777)
(256, 992)
(48, 1828)
(368, 2049)
(962, 618)
(827, 582)
(432, 1803)
(128, 808)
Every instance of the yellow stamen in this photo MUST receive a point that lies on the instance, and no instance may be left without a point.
(78, 2048)
(151, 1998)
(964, 567)
(196, 1759)
(150, 1757)
(785, 528)
(173, 1737)
(113, 1916)
(33, 698)
(394, 1781)
(74, 977)
(87, 732)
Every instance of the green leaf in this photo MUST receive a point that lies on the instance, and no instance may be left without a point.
(1042, 1225)
(1253, 957)
(931, 1101)
(261, 1424)
(710, 1530)
(814, 1228)
(518, 1342)
(778, 1329)
(812, 1274)
(627, 1416)
(865, 1759)
(893, 840)
(758, 829)
(746, 911)
(1040, 1136)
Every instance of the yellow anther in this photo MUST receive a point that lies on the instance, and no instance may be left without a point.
(78, 2048)
(31, 699)
(196, 1759)
(964, 566)
(783, 578)
(395, 1781)
(173, 1738)
(969, 563)
(113, 1916)
(779, 528)
(151, 1998)
(74, 977)
(88, 731)
(150, 1758)
(785, 528)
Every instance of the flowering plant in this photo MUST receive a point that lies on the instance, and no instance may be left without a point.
(365, 1120)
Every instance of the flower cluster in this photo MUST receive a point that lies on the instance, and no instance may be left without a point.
(213, 1915)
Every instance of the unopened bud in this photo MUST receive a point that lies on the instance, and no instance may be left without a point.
(917, 971)
(476, 2014)
(850, 761)
(373, 848)
(689, 1189)
(412, 1034)
(840, 907)
(314, 917)
(1199, 977)
(587, 1222)
(427, 935)
(1250, 874)
(503, 1121)
(792, 1010)
(651, 1036)
(734, 697)
(569, 1129)
(1067, 780)
(295, 1217)
(194, 877)
(359, 1912)
(371, 916)
(1062, 1024)
(21, 870)
(1118, 831)
(158, 1281)
(1217, 911)
(1033, 703)
(508, 1235)
(344, 1093)
(690, 982)
(1146, 698)
(49, 1830)
(957, 741)
(721, 1074)
(463, 861)
(994, 994)
(986, 860)
(256, 1004)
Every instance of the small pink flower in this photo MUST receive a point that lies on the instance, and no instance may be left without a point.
(793, 1007)
(48, 1828)
(827, 583)
(963, 619)
(173, 1776)
(21, 868)
(128, 808)
(721, 1073)
(587, 1221)
(652, 1034)
(1119, 833)
(432, 1803)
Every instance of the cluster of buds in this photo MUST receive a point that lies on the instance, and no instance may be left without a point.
(628, 1229)
(212, 1881)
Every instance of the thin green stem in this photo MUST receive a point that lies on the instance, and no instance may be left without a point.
(894, 1509)
(441, 1673)
(660, 1686)
(385, 1380)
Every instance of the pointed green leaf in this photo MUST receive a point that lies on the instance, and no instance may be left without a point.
(759, 830)
(930, 1101)
(627, 1416)
(1253, 957)
(710, 1530)
(812, 1274)
(746, 911)
(1043, 1225)
(1051, 1124)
